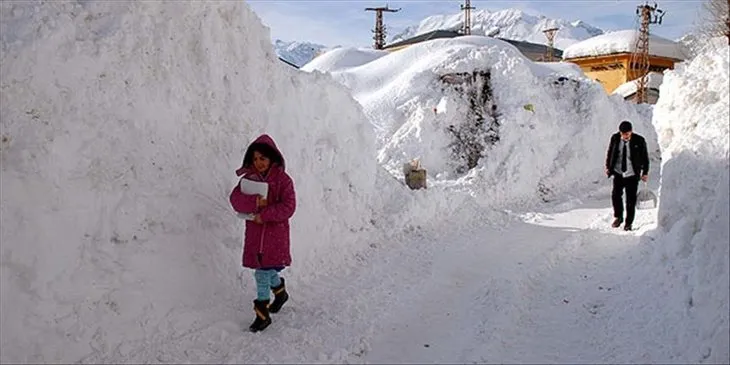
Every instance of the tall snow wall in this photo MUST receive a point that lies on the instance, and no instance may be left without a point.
(692, 118)
(122, 125)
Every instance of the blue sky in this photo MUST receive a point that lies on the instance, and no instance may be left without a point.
(344, 22)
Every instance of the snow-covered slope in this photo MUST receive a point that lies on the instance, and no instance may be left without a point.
(343, 58)
(121, 131)
(298, 53)
(552, 124)
(697, 42)
(511, 24)
(693, 43)
(624, 41)
(692, 122)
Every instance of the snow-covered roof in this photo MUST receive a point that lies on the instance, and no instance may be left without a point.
(627, 89)
(624, 41)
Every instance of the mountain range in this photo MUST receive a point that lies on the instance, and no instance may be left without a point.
(508, 23)
(298, 53)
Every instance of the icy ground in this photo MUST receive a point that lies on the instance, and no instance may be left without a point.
(552, 285)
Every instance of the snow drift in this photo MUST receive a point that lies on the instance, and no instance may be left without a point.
(547, 131)
(692, 122)
(343, 58)
(653, 81)
(122, 125)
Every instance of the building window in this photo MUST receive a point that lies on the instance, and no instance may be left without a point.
(607, 67)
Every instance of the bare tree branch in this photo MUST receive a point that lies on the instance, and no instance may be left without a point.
(716, 19)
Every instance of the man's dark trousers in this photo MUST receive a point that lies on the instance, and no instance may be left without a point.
(631, 184)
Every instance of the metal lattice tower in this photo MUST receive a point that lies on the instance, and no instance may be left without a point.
(639, 63)
(467, 8)
(550, 35)
(379, 31)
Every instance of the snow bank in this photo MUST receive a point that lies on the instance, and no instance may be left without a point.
(654, 81)
(565, 69)
(623, 41)
(692, 121)
(557, 144)
(122, 125)
(342, 58)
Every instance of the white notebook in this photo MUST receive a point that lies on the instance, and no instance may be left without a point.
(251, 187)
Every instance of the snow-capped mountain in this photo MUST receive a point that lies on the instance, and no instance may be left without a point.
(693, 43)
(507, 23)
(298, 53)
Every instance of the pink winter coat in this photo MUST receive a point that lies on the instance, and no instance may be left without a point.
(268, 241)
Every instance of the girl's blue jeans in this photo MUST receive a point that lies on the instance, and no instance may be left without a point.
(265, 280)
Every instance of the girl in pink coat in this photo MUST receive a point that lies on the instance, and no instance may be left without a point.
(266, 242)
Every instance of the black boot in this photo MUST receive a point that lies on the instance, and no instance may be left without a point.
(280, 297)
(263, 320)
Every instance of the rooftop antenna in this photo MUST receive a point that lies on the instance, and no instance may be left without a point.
(379, 30)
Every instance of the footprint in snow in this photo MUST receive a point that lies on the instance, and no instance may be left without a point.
(593, 308)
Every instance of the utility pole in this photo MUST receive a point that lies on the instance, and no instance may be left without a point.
(467, 8)
(379, 30)
(639, 63)
(550, 34)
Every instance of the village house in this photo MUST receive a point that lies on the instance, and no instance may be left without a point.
(606, 58)
(533, 51)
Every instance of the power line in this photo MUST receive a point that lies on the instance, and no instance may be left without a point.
(467, 8)
(379, 30)
(550, 34)
(639, 63)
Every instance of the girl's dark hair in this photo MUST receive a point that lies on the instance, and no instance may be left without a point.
(264, 149)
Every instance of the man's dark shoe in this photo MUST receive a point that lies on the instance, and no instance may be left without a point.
(617, 222)
(627, 227)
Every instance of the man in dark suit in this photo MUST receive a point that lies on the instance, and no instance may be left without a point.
(627, 160)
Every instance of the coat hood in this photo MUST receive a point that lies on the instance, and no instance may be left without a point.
(264, 139)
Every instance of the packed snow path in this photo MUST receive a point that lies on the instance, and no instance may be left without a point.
(552, 290)
(504, 287)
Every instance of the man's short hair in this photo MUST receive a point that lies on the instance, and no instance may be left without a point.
(625, 126)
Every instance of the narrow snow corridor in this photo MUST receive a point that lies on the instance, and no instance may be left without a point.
(123, 123)
(502, 293)
(495, 289)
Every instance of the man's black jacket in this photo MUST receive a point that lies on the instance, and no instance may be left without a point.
(639, 154)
